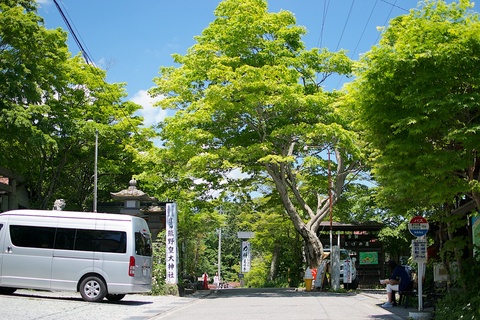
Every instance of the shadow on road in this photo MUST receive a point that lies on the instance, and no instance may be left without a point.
(42, 295)
(271, 292)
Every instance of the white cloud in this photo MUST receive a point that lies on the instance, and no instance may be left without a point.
(152, 115)
(237, 174)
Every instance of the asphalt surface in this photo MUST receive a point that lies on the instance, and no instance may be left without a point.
(283, 304)
(224, 304)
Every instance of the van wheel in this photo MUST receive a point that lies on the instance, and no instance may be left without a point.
(115, 297)
(7, 290)
(93, 289)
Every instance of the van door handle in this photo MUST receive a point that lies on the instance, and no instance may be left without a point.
(9, 249)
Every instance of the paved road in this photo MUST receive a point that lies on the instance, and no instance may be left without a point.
(228, 304)
(286, 304)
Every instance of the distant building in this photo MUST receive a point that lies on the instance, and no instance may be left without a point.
(361, 240)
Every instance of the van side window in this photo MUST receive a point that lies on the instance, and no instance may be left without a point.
(143, 244)
(33, 237)
(69, 239)
(101, 240)
(65, 239)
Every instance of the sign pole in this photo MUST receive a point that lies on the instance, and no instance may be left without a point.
(418, 227)
(420, 286)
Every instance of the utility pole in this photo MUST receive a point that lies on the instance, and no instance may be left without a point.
(219, 263)
(95, 174)
(330, 197)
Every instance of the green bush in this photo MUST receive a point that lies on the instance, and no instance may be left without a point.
(462, 302)
(158, 267)
(255, 278)
(458, 305)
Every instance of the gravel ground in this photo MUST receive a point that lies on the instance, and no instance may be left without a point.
(29, 304)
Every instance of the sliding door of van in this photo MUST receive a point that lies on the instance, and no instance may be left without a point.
(27, 256)
(72, 257)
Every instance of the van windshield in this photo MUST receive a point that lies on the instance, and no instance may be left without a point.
(143, 244)
(344, 255)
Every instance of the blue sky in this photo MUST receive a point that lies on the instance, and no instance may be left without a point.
(132, 39)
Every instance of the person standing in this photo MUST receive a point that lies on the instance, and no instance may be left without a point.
(216, 280)
(400, 280)
(205, 280)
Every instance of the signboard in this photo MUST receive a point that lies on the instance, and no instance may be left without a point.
(476, 234)
(320, 274)
(245, 256)
(368, 258)
(347, 271)
(171, 243)
(245, 234)
(418, 226)
(419, 250)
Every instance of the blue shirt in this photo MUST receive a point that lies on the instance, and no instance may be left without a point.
(403, 275)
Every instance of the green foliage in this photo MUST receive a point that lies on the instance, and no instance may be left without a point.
(276, 244)
(258, 273)
(51, 104)
(159, 272)
(462, 303)
(396, 239)
(357, 204)
(249, 97)
(417, 96)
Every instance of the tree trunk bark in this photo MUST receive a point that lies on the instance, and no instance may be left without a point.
(274, 263)
(313, 248)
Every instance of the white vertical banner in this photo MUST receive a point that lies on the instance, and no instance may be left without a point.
(246, 256)
(347, 271)
(171, 243)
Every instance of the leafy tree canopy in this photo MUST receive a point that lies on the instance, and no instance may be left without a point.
(50, 106)
(248, 96)
(417, 94)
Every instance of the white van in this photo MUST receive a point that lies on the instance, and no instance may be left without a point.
(98, 255)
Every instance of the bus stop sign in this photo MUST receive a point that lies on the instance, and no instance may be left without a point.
(418, 226)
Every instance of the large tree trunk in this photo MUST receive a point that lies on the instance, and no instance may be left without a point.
(274, 263)
(313, 248)
(285, 179)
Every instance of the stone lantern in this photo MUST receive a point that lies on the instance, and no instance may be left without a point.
(132, 197)
(138, 203)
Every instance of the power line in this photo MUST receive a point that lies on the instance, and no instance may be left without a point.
(88, 58)
(85, 54)
(364, 29)
(345, 25)
(394, 5)
(326, 4)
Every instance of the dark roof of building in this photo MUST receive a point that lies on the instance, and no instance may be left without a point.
(364, 226)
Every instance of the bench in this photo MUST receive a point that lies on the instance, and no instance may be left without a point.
(406, 295)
